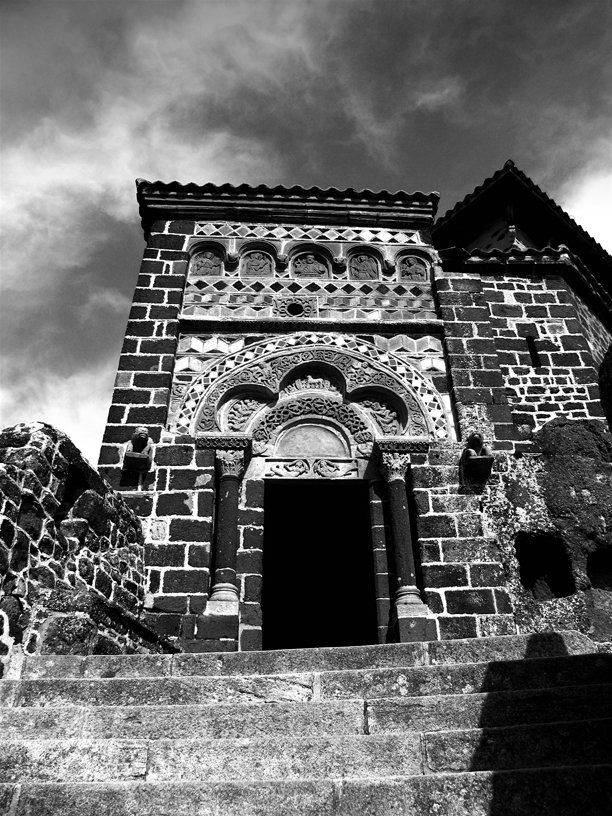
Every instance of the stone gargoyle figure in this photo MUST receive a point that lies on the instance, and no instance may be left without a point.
(138, 454)
(476, 459)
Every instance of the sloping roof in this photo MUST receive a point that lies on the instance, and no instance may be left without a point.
(533, 210)
(160, 200)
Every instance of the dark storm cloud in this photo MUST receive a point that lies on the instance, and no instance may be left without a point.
(412, 95)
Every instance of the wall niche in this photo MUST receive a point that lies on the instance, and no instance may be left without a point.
(544, 566)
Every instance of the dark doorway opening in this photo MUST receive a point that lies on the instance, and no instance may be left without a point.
(318, 572)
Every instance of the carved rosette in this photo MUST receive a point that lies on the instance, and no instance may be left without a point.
(230, 463)
(393, 466)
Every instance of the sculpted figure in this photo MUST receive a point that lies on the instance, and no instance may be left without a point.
(139, 451)
(412, 268)
(257, 265)
(208, 263)
(307, 266)
(363, 267)
(476, 459)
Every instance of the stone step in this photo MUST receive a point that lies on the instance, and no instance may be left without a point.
(379, 716)
(281, 758)
(574, 791)
(553, 672)
(224, 720)
(509, 647)
(291, 758)
(501, 708)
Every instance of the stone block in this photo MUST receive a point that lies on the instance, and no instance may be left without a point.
(470, 601)
(463, 626)
(444, 575)
(185, 580)
(174, 504)
(192, 530)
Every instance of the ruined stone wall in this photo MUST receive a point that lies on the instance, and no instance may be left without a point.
(71, 558)
(551, 513)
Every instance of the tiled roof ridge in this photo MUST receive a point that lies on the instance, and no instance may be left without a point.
(279, 189)
(510, 167)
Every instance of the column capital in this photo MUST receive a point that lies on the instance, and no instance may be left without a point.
(230, 463)
(393, 466)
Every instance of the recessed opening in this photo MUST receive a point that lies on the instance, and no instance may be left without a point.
(536, 361)
(544, 567)
(318, 573)
(74, 486)
(599, 569)
(295, 309)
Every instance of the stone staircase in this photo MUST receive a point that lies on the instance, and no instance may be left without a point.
(506, 725)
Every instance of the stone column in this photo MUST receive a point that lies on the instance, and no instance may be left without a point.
(413, 619)
(230, 464)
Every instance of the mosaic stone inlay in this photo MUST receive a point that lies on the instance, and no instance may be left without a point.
(316, 233)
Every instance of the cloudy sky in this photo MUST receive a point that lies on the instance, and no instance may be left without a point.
(386, 94)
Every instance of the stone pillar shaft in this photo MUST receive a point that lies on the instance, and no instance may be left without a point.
(405, 570)
(226, 544)
(231, 467)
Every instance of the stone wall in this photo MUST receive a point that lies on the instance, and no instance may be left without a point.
(71, 558)
(543, 352)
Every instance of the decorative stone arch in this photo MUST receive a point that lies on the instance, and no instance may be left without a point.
(321, 254)
(260, 371)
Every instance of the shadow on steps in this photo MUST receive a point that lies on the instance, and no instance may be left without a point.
(554, 738)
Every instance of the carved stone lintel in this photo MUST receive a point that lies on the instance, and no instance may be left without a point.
(223, 441)
(398, 444)
(230, 463)
(393, 466)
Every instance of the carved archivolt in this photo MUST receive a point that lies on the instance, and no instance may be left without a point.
(335, 376)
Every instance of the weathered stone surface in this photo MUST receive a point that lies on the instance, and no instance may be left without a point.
(522, 746)
(160, 691)
(64, 760)
(298, 660)
(183, 799)
(284, 758)
(439, 713)
(542, 792)
(467, 679)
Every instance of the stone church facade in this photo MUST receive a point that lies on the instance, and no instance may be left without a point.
(355, 413)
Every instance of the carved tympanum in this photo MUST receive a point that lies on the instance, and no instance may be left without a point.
(310, 383)
(412, 268)
(257, 265)
(363, 267)
(241, 412)
(308, 265)
(384, 415)
(207, 263)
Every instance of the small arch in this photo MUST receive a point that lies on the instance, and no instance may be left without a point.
(364, 263)
(310, 261)
(411, 266)
(315, 370)
(208, 259)
(257, 260)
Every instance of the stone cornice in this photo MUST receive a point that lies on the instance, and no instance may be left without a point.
(173, 201)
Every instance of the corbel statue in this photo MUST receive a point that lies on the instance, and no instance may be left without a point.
(476, 460)
(138, 454)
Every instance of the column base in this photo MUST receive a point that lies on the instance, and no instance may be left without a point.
(221, 616)
(412, 619)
